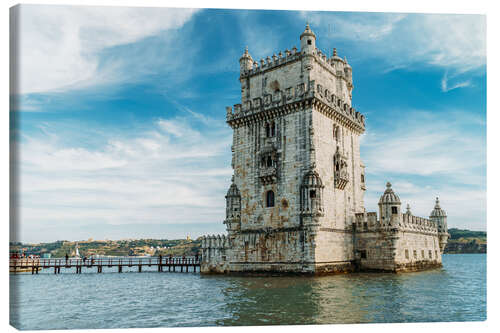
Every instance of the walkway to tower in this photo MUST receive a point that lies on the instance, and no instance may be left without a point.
(162, 264)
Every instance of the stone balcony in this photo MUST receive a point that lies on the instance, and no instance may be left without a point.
(268, 175)
(341, 179)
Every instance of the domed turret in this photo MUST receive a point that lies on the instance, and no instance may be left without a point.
(408, 211)
(233, 191)
(307, 40)
(312, 179)
(347, 70)
(438, 216)
(390, 207)
(233, 208)
(246, 61)
(438, 211)
(335, 56)
(389, 197)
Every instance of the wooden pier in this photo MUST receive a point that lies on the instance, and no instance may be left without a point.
(168, 264)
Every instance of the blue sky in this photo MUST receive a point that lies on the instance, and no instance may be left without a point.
(119, 113)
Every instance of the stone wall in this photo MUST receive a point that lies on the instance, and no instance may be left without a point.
(410, 244)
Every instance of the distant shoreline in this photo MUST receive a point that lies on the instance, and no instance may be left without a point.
(460, 241)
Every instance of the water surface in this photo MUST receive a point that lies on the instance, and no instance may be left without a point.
(456, 292)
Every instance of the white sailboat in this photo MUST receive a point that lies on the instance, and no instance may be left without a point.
(77, 254)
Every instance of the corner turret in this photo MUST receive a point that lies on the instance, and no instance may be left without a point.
(390, 208)
(438, 216)
(233, 209)
(307, 41)
(246, 61)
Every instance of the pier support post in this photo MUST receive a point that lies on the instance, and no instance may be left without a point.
(140, 268)
(119, 268)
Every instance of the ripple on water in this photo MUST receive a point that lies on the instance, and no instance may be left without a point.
(457, 292)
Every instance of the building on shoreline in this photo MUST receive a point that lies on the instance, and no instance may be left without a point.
(296, 202)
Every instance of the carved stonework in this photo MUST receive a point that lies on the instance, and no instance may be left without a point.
(341, 175)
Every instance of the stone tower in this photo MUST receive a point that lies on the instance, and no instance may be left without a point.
(296, 200)
(298, 178)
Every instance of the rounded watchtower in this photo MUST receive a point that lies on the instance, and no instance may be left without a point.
(307, 41)
(233, 208)
(246, 61)
(438, 216)
(390, 207)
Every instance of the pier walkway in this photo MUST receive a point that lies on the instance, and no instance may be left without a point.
(170, 264)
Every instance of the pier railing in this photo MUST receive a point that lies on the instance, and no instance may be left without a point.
(171, 263)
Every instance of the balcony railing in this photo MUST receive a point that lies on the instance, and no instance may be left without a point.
(341, 179)
(268, 175)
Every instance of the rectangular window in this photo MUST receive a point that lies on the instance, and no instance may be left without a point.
(365, 225)
(415, 254)
(394, 209)
(423, 254)
(363, 254)
(430, 254)
(407, 254)
(436, 253)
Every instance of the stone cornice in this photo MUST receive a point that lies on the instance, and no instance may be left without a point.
(347, 116)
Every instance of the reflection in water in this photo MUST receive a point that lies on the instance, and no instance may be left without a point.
(351, 298)
(456, 292)
(453, 293)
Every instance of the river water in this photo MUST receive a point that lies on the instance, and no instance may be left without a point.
(457, 292)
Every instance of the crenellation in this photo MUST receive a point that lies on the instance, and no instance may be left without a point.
(296, 200)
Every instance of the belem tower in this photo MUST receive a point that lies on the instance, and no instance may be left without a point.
(296, 199)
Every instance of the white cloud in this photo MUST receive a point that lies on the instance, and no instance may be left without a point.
(157, 176)
(456, 42)
(59, 45)
(366, 26)
(445, 86)
(426, 155)
(423, 143)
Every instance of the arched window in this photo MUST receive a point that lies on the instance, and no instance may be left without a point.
(270, 199)
(275, 86)
(269, 161)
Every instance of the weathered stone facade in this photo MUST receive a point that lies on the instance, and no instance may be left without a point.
(296, 199)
